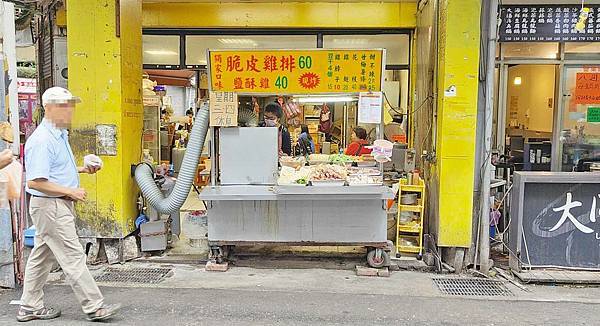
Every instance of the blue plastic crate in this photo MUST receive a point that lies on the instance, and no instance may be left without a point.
(29, 236)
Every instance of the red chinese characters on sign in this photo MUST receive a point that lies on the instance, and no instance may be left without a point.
(250, 83)
(309, 80)
(587, 88)
(264, 83)
(234, 63)
(270, 63)
(288, 63)
(238, 83)
(218, 85)
(251, 64)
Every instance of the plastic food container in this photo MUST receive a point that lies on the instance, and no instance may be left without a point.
(408, 199)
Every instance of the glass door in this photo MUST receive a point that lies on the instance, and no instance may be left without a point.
(580, 119)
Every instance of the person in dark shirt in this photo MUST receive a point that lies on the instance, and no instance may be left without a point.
(305, 141)
(273, 115)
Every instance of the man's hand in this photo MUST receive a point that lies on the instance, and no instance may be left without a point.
(77, 194)
(92, 169)
(6, 157)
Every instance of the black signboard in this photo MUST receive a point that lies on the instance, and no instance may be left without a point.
(561, 225)
(548, 23)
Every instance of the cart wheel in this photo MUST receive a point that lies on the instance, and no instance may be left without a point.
(378, 258)
(420, 256)
(398, 255)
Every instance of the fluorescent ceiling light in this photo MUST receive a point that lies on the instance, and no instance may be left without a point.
(351, 41)
(328, 99)
(161, 52)
(238, 41)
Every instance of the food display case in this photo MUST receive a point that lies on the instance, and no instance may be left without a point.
(151, 131)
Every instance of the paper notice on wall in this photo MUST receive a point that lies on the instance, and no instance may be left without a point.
(587, 88)
(223, 109)
(369, 107)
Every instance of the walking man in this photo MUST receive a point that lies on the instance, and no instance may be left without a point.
(53, 183)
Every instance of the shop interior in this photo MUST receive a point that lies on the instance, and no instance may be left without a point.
(176, 81)
(529, 122)
(544, 115)
(175, 65)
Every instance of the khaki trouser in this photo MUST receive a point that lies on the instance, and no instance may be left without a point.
(56, 239)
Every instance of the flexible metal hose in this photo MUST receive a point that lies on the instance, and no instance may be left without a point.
(144, 175)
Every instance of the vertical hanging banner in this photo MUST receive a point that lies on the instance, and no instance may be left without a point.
(587, 88)
(223, 109)
(369, 107)
(296, 72)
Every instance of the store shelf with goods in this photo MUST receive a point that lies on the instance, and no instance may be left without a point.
(410, 249)
(410, 208)
(411, 197)
(412, 188)
(408, 228)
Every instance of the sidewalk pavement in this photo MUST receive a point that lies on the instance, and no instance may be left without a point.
(253, 296)
(405, 283)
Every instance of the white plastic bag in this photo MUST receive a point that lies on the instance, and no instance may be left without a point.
(92, 160)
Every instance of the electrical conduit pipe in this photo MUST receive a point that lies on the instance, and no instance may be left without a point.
(144, 175)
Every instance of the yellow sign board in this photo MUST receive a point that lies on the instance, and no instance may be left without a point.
(296, 72)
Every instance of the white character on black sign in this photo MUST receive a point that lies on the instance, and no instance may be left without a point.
(566, 213)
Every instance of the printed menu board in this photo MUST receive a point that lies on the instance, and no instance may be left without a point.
(548, 23)
(296, 72)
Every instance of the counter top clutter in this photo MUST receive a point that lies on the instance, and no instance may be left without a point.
(364, 160)
(334, 173)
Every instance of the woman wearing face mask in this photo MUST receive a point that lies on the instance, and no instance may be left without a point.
(273, 114)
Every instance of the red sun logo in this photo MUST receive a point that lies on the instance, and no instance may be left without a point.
(309, 80)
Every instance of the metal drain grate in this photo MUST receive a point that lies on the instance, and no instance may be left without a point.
(472, 287)
(133, 275)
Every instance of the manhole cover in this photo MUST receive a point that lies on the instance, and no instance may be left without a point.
(471, 287)
(133, 275)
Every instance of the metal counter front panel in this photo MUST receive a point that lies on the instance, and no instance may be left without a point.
(248, 156)
(300, 221)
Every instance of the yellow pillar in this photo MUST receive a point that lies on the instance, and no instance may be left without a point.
(457, 118)
(105, 70)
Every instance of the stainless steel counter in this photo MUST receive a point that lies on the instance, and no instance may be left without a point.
(339, 215)
(296, 193)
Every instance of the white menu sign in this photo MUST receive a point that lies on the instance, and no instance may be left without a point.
(369, 107)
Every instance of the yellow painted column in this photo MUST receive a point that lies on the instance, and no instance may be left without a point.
(457, 118)
(105, 69)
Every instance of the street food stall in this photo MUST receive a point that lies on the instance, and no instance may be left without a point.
(257, 195)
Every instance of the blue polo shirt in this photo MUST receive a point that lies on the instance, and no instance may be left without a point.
(49, 156)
